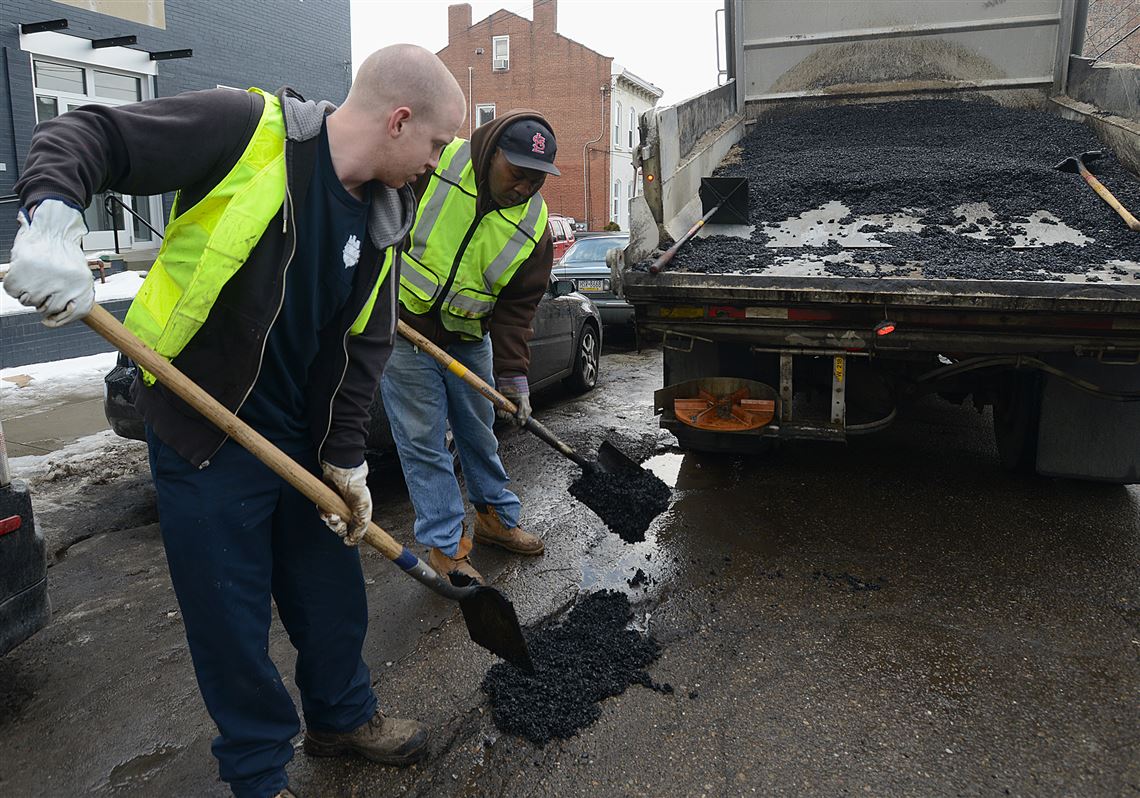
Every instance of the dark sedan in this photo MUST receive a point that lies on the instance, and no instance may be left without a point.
(565, 348)
(585, 264)
(24, 606)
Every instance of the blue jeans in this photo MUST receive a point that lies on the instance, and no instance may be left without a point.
(420, 398)
(236, 535)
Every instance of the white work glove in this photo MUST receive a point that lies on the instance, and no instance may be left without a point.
(518, 391)
(49, 271)
(352, 485)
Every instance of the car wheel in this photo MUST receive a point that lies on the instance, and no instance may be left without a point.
(585, 374)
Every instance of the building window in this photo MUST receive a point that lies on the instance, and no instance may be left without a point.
(617, 200)
(484, 114)
(61, 87)
(632, 186)
(501, 53)
(617, 126)
(632, 126)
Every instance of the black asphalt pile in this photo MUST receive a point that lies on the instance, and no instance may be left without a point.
(929, 158)
(627, 501)
(587, 658)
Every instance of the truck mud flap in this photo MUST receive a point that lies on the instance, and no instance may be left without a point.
(1084, 436)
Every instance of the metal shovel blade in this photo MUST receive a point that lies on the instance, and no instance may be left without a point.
(731, 194)
(623, 494)
(611, 458)
(492, 623)
(1073, 162)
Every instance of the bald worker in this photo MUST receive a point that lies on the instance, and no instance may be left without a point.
(275, 290)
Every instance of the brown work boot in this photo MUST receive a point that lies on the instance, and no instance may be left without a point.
(490, 530)
(444, 565)
(389, 741)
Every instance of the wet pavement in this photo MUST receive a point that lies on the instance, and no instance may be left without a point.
(894, 617)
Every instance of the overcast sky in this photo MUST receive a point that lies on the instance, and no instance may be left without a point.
(671, 43)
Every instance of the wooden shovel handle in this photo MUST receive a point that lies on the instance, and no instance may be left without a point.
(457, 368)
(284, 466)
(1108, 197)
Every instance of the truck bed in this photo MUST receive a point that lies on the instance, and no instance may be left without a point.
(925, 203)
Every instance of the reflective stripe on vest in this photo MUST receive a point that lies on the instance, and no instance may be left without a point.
(501, 243)
(206, 244)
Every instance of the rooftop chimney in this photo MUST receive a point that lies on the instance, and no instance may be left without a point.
(546, 14)
(458, 20)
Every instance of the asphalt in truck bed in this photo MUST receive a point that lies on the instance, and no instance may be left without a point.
(952, 186)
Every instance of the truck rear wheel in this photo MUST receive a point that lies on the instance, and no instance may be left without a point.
(1017, 418)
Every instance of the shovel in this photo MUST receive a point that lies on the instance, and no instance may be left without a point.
(490, 617)
(620, 492)
(724, 200)
(1076, 163)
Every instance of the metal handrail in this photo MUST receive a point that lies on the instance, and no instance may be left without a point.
(109, 203)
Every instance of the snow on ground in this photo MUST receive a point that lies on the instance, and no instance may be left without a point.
(123, 285)
(81, 459)
(40, 386)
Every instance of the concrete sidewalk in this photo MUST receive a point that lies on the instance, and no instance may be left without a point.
(47, 431)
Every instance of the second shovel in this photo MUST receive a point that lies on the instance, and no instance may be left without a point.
(623, 494)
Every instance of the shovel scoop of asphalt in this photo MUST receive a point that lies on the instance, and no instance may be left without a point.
(623, 494)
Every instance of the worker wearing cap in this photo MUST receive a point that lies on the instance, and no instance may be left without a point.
(477, 265)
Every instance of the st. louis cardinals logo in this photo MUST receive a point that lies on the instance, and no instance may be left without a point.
(539, 144)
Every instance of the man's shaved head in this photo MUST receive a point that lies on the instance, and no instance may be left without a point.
(403, 108)
(406, 75)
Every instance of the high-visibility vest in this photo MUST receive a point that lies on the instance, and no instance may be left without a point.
(206, 245)
(457, 261)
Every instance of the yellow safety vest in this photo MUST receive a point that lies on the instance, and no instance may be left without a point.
(206, 245)
(478, 263)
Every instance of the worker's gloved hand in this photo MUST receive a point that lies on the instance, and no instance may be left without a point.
(352, 485)
(49, 271)
(518, 391)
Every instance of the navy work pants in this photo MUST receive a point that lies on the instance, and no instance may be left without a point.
(236, 537)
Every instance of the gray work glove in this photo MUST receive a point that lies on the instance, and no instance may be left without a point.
(352, 485)
(49, 271)
(518, 391)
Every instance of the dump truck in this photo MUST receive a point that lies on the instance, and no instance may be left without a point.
(835, 303)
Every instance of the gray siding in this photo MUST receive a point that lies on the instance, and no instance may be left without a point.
(267, 44)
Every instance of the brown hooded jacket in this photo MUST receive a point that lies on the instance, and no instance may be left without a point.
(509, 323)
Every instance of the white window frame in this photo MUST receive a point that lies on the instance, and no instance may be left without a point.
(482, 107)
(617, 201)
(64, 98)
(617, 125)
(632, 125)
(495, 58)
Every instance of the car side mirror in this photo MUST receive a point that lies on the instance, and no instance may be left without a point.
(562, 287)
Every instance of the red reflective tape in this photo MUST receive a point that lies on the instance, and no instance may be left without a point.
(10, 524)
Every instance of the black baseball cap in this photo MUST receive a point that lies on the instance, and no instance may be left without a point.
(529, 144)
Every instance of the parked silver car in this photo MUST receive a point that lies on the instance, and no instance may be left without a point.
(585, 264)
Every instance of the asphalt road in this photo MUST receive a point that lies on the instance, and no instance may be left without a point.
(893, 617)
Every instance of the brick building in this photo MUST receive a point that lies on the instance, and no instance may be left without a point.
(1109, 21)
(506, 61)
(59, 54)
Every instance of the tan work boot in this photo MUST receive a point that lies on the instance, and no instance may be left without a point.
(490, 530)
(286, 793)
(444, 565)
(389, 741)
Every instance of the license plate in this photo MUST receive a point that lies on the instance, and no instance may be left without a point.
(591, 285)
